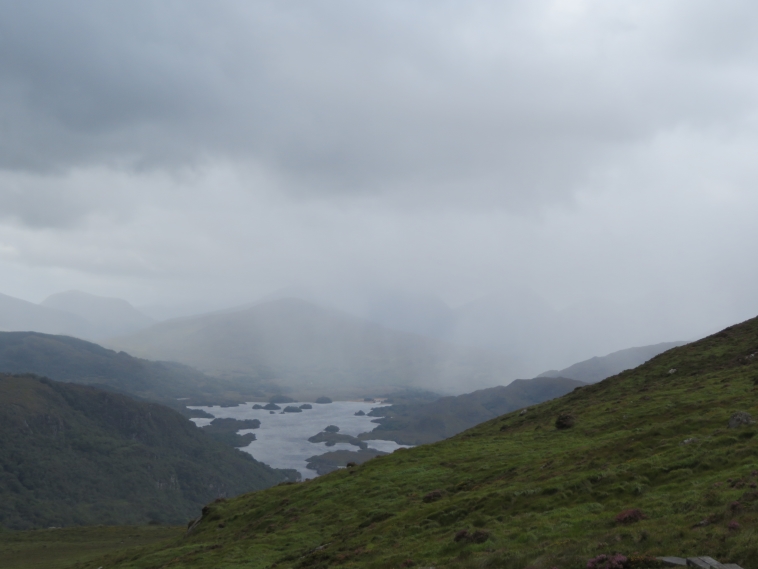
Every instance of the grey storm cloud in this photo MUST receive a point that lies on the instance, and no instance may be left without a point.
(508, 103)
(589, 158)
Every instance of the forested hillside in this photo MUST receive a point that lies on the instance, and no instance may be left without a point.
(75, 455)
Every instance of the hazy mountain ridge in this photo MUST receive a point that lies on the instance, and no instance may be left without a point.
(315, 350)
(598, 368)
(73, 454)
(73, 313)
(107, 316)
(20, 315)
(517, 324)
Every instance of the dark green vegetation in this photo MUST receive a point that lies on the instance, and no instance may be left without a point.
(413, 424)
(74, 455)
(526, 493)
(64, 358)
(598, 368)
(331, 438)
(225, 431)
(311, 351)
(60, 548)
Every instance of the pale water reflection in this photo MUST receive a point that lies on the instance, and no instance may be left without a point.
(282, 439)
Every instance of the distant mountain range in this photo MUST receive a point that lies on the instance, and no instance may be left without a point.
(64, 358)
(106, 316)
(17, 314)
(76, 455)
(404, 341)
(448, 416)
(522, 327)
(598, 368)
(311, 350)
(72, 313)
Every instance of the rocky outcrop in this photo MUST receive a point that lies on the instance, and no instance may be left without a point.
(739, 419)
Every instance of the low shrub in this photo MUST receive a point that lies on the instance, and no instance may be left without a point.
(565, 421)
(630, 516)
(432, 496)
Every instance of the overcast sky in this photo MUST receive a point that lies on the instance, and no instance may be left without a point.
(188, 151)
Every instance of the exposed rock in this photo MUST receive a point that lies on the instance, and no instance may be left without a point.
(739, 419)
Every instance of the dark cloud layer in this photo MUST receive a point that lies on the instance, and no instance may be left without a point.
(594, 154)
(495, 103)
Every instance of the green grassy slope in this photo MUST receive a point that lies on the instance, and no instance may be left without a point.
(62, 547)
(64, 358)
(75, 455)
(545, 497)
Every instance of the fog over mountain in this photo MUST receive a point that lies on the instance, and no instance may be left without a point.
(311, 351)
(20, 315)
(107, 316)
(550, 180)
(598, 368)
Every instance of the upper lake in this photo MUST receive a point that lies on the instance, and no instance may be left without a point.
(282, 439)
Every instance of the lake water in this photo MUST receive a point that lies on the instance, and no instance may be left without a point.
(282, 439)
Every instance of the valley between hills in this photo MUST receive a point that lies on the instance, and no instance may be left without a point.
(636, 453)
(659, 460)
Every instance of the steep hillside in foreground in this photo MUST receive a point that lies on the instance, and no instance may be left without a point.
(75, 455)
(310, 351)
(517, 491)
(598, 368)
(448, 416)
(63, 358)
